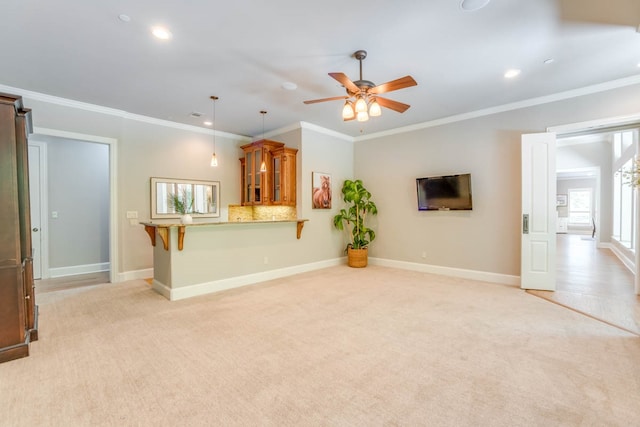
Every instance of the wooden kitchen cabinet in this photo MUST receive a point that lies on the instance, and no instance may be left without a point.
(284, 176)
(268, 173)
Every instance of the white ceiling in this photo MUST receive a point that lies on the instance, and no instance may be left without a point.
(243, 50)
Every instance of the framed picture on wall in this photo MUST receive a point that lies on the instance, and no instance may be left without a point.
(561, 200)
(321, 190)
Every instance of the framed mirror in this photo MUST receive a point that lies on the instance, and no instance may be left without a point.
(172, 198)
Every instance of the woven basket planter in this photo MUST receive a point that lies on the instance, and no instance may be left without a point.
(357, 257)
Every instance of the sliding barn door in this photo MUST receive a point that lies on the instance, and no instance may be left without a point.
(538, 229)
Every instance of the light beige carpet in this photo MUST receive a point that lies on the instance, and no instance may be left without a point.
(334, 347)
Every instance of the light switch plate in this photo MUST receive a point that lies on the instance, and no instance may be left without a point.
(132, 214)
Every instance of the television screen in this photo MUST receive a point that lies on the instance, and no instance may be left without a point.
(451, 192)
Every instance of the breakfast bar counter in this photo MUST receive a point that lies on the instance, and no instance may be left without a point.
(162, 229)
(205, 257)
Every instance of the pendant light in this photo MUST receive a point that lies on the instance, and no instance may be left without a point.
(263, 165)
(214, 159)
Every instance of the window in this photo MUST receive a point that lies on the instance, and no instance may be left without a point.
(624, 224)
(580, 206)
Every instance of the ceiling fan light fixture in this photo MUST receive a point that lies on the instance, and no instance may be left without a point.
(347, 111)
(361, 105)
(374, 109)
(361, 100)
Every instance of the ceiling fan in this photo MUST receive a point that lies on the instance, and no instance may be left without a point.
(362, 98)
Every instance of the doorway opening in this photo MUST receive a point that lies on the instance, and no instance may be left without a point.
(596, 265)
(75, 201)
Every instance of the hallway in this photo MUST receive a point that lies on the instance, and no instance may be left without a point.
(594, 282)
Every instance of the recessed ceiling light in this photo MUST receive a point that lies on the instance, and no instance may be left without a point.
(509, 74)
(208, 123)
(549, 61)
(471, 5)
(124, 18)
(161, 33)
(289, 86)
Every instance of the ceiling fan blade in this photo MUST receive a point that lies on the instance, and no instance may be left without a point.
(392, 105)
(401, 83)
(333, 98)
(342, 78)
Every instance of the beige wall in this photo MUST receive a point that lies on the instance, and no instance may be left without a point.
(150, 149)
(487, 238)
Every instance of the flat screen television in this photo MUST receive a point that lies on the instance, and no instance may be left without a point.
(443, 193)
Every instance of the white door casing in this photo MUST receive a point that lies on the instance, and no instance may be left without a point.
(36, 188)
(538, 228)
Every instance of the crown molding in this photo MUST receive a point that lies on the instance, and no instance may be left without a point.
(65, 102)
(587, 90)
(560, 96)
(325, 131)
(307, 126)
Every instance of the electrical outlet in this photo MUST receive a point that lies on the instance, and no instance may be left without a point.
(266, 260)
(54, 214)
(424, 254)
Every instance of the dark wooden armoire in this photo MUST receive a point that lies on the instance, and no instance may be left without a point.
(18, 311)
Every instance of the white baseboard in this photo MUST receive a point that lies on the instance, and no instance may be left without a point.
(626, 261)
(74, 270)
(175, 294)
(482, 276)
(146, 273)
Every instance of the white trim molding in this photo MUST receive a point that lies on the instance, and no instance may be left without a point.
(74, 270)
(482, 276)
(113, 185)
(56, 100)
(183, 292)
(560, 96)
(146, 273)
(619, 253)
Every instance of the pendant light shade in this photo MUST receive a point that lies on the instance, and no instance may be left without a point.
(347, 111)
(263, 165)
(214, 158)
(374, 109)
(361, 105)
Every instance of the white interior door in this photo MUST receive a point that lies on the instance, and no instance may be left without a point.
(34, 201)
(538, 229)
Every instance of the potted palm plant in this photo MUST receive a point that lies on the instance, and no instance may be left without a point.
(352, 219)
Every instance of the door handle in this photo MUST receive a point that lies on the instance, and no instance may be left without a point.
(525, 224)
(34, 229)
